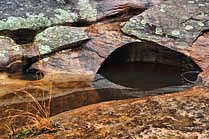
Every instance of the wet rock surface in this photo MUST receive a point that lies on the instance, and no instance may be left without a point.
(179, 115)
(181, 26)
(54, 49)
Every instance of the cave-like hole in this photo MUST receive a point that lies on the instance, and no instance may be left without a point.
(29, 74)
(21, 36)
(148, 66)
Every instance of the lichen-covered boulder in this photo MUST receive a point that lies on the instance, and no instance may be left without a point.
(63, 45)
(181, 26)
(59, 37)
(17, 14)
(97, 43)
(30, 14)
(172, 24)
(33, 15)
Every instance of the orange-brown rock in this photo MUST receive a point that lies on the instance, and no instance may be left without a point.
(51, 53)
(178, 115)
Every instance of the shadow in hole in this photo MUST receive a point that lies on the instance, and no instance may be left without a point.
(21, 36)
(131, 72)
(148, 66)
(29, 74)
(145, 76)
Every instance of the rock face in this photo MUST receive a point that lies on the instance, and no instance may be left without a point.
(172, 25)
(11, 55)
(87, 57)
(38, 14)
(18, 14)
(57, 38)
(65, 43)
(178, 115)
(85, 48)
(27, 18)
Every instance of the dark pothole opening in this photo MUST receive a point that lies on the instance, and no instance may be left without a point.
(21, 36)
(148, 66)
(29, 75)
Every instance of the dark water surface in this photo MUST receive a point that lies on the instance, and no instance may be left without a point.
(144, 76)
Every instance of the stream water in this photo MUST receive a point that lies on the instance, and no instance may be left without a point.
(145, 76)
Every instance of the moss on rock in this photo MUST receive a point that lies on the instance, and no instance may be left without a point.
(55, 37)
(87, 11)
(37, 21)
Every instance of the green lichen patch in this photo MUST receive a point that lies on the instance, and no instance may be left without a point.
(44, 49)
(162, 8)
(180, 23)
(175, 33)
(189, 27)
(38, 21)
(201, 24)
(158, 31)
(55, 37)
(63, 16)
(143, 22)
(31, 22)
(44, 14)
(87, 11)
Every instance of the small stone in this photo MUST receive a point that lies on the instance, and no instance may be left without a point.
(189, 27)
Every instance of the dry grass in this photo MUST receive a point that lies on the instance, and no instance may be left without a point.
(25, 122)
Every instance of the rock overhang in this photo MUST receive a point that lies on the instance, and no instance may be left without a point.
(172, 25)
(87, 59)
(77, 67)
(28, 14)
